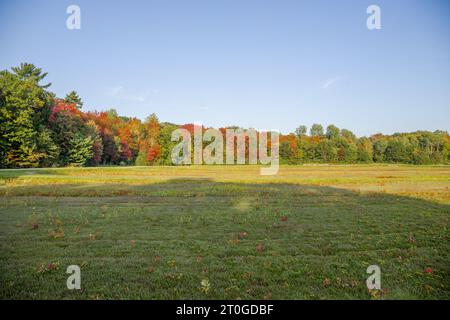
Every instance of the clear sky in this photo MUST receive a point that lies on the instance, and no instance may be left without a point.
(272, 64)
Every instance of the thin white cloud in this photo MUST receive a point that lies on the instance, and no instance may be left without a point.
(114, 92)
(330, 81)
(119, 92)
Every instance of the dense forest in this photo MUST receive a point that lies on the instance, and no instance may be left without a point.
(38, 129)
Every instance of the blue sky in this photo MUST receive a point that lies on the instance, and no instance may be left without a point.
(261, 64)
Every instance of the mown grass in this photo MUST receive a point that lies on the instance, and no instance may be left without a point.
(155, 233)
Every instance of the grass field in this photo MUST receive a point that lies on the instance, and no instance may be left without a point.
(216, 232)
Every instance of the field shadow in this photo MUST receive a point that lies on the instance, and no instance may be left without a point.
(289, 239)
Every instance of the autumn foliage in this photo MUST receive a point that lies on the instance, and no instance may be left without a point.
(39, 130)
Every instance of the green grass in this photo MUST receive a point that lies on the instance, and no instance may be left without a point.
(157, 232)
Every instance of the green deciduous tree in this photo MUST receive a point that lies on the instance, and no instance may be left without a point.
(379, 147)
(398, 150)
(301, 131)
(332, 132)
(347, 134)
(365, 150)
(316, 130)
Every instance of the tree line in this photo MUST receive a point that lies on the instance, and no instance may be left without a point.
(38, 129)
(335, 145)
